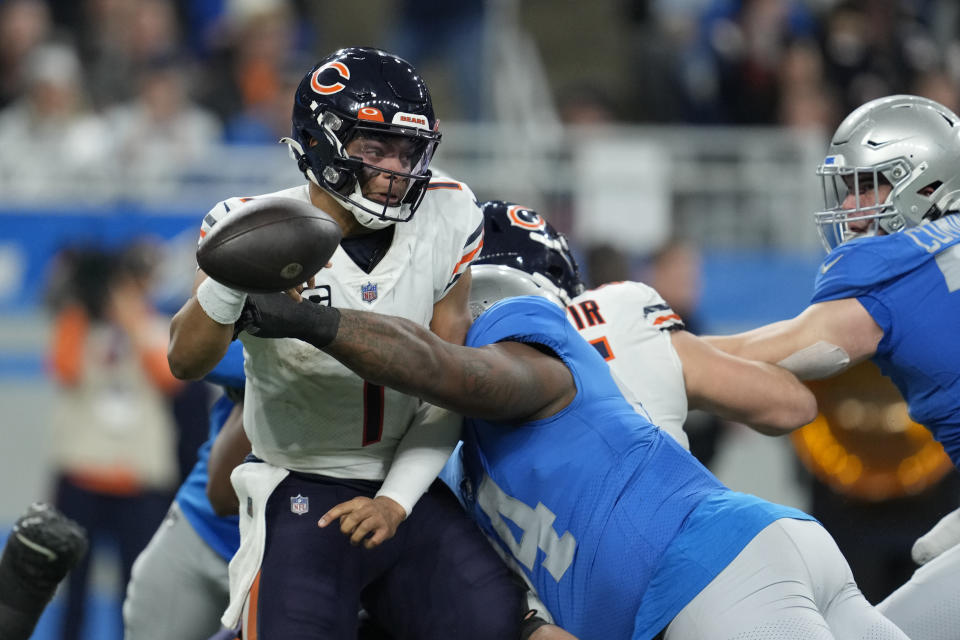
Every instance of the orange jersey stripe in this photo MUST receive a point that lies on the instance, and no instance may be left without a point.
(663, 319)
(467, 258)
(250, 629)
(445, 185)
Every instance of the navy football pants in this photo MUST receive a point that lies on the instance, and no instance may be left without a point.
(437, 578)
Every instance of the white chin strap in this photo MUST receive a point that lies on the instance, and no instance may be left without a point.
(355, 201)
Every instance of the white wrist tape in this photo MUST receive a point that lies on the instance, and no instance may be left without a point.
(220, 302)
(820, 360)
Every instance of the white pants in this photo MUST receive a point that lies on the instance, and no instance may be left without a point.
(178, 586)
(790, 583)
(927, 607)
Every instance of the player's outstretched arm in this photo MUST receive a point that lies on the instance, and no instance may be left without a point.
(822, 341)
(764, 396)
(198, 341)
(504, 382)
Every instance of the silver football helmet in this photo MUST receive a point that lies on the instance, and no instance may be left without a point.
(493, 282)
(908, 142)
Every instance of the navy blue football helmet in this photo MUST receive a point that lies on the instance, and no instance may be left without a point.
(522, 255)
(371, 94)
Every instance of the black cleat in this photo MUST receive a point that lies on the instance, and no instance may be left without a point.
(42, 548)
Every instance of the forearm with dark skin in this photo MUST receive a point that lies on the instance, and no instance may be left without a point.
(506, 382)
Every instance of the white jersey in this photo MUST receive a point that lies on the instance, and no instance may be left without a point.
(630, 324)
(305, 411)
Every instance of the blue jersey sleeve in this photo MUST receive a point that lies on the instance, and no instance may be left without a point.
(851, 270)
(524, 319)
(229, 371)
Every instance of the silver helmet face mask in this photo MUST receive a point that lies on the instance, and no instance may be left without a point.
(862, 183)
(908, 142)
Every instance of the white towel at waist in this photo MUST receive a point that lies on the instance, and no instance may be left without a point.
(254, 482)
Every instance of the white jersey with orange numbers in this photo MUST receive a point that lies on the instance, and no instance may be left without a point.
(630, 324)
(305, 411)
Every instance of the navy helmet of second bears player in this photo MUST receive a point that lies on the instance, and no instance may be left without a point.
(522, 255)
(908, 142)
(364, 93)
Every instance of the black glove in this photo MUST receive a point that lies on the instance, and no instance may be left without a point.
(530, 623)
(43, 546)
(277, 315)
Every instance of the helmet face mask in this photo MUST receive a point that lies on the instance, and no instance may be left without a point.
(522, 255)
(357, 95)
(906, 144)
(870, 211)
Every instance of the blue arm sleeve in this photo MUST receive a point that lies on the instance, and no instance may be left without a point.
(229, 371)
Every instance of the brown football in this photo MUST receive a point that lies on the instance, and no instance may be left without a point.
(269, 245)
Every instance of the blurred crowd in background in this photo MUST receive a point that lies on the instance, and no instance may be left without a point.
(137, 86)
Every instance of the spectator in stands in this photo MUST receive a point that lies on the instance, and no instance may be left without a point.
(23, 25)
(250, 71)
(806, 102)
(268, 120)
(873, 49)
(740, 47)
(117, 39)
(114, 434)
(453, 37)
(51, 121)
(157, 135)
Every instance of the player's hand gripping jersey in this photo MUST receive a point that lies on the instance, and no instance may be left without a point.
(909, 283)
(629, 324)
(306, 412)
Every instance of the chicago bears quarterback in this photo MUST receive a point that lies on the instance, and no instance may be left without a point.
(888, 291)
(364, 132)
(622, 533)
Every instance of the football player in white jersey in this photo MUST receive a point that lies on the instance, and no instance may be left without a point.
(364, 132)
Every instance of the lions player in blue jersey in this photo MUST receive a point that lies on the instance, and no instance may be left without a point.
(178, 587)
(888, 291)
(621, 532)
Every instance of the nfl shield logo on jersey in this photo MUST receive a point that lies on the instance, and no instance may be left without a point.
(299, 504)
(368, 292)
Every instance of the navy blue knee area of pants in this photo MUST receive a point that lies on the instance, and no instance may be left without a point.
(438, 573)
(449, 582)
